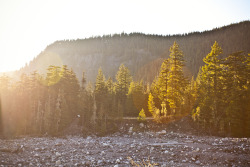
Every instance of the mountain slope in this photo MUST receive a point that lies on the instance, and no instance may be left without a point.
(143, 54)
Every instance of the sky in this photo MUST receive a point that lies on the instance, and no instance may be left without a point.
(28, 26)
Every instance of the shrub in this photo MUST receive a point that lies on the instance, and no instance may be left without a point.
(142, 116)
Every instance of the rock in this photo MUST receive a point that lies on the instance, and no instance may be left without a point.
(105, 144)
(118, 161)
(189, 141)
(88, 163)
(197, 162)
(58, 154)
(163, 132)
(116, 165)
(99, 162)
(130, 130)
(102, 153)
(166, 151)
(141, 125)
(58, 162)
(58, 144)
(89, 138)
(36, 155)
(193, 159)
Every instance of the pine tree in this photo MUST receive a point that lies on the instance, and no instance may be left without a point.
(163, 81)
(176, 80)
(211, 91)
(151, 105)
(52, 79)
(100, 85)
(111, 99)
(88, 103)
(190, 96)
(237, 87)
(141, 116)
(110, 85)
(101, 101)
(123, 78)
(135, 98)
(82, 106)
(155, 92)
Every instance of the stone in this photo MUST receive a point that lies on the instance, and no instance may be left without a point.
(58, 162)
(58, 144)
(141, 125)
(58, 154)
(130, 130)
(89, 138)
(163, 132)
(102, 153)
(118, 161)
(99, 162)
(197, 162)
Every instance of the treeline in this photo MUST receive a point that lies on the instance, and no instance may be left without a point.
(218, 99)
(40, 104)
(222, 89)
(141, 53)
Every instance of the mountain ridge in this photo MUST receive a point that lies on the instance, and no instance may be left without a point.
(141, 53)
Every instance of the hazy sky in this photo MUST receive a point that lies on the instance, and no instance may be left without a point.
(28, 26)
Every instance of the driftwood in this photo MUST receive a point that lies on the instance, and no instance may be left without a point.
(12, 150)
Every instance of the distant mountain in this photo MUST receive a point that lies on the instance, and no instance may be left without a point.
(141, 53)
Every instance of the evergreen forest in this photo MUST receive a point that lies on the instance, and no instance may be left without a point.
(217, 98)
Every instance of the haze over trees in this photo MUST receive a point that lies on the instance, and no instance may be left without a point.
(223, 93)
(217, 99)
(142, 54)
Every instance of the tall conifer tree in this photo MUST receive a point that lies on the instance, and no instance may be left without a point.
(176, 80)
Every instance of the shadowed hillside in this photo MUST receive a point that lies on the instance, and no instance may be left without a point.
(142, 54)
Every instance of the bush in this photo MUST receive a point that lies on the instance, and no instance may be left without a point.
(146, 163)
(142, 116)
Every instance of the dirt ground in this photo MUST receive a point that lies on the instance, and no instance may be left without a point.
(166, 146)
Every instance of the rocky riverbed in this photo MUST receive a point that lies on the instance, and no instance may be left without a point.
(166, 148)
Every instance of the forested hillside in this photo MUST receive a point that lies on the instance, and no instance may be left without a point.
(48, 100)
(141, 53)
